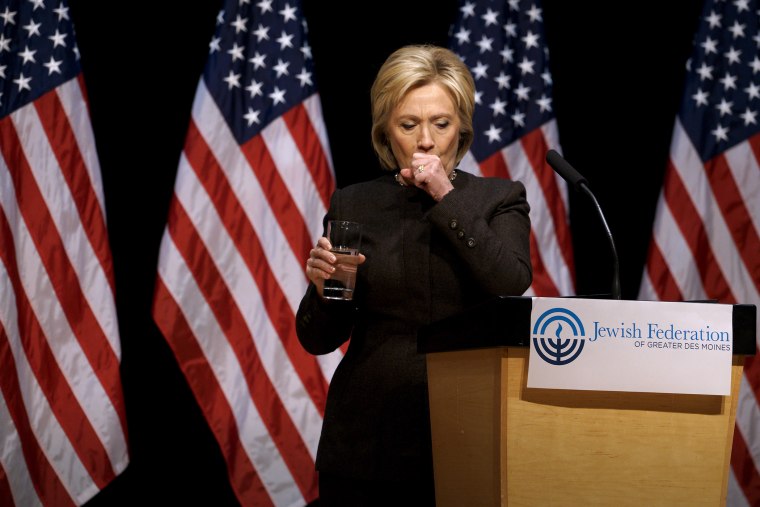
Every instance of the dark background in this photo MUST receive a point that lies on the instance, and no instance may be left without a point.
(618, 70)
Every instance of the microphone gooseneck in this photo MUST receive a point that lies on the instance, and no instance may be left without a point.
(575, 179)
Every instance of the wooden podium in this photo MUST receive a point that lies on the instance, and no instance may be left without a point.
(498, 443)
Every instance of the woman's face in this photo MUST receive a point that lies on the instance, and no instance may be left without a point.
(425, 121)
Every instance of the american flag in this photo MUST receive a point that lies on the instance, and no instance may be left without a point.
(502, 42)
(253, 183)
(705, 240)
(62, 419)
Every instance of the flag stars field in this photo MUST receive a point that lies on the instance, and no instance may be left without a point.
(515, 122)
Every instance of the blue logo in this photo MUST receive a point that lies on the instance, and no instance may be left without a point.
(556, 343)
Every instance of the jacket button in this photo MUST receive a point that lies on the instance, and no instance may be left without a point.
(471, 242)
(453, 224)
(460, 234)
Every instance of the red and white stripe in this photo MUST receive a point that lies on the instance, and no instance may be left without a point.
(705, 244)
(62, 417)
(230, 279)
(551, 244)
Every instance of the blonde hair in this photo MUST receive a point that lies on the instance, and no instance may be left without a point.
(411, 67)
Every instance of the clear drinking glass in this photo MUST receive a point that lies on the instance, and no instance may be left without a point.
(346, 239)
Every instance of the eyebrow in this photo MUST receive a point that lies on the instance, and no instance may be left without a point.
(433, 117)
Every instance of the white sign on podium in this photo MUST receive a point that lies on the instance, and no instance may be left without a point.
(638, 346)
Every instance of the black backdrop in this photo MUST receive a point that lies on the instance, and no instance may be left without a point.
(618, 69)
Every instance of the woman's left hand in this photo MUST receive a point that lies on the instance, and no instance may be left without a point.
(429, 174)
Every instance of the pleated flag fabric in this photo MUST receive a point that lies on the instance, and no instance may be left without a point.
(63, 432)
(253, 183)
(705, 239)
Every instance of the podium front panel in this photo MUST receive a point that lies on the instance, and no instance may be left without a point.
(498, 443)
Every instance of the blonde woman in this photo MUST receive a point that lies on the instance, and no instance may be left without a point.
(435, 241)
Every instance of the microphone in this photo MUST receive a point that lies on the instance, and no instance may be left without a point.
(564, 169)
(575, 179)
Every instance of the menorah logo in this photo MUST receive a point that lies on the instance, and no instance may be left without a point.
(548, 339)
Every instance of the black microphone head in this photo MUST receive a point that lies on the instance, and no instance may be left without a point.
(564, 169)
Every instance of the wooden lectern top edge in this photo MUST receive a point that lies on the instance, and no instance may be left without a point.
(504, 321)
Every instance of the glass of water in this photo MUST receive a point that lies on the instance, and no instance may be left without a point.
(346, 239)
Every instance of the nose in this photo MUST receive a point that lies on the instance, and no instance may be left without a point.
(424, 140)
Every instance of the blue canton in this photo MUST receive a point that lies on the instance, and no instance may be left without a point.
(38, 51)
(719, 108)
(259, 64)
(502, 42)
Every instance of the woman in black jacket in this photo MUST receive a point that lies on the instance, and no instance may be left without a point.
(435, 241)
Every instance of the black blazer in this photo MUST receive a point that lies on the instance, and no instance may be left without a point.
(425, 261)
